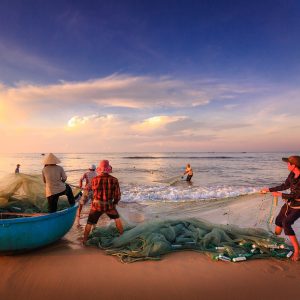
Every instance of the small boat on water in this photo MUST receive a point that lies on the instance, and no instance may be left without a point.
(21, 232)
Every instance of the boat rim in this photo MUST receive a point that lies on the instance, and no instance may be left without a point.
(37, 218)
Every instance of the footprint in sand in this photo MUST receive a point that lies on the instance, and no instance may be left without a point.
(291, 276)
(275, 268)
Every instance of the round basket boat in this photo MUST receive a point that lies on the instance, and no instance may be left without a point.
(21, 232)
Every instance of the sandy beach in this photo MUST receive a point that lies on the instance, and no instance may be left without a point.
(66, 270)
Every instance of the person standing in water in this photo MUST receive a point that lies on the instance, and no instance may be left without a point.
(17, 170)
(54, 177)
(87, 190)
(106, 195)
(290, 211)
(189, 172)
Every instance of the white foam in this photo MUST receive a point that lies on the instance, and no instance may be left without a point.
(141, 193)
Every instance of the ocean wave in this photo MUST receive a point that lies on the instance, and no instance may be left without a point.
(142, 193)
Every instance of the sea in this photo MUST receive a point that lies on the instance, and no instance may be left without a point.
(156, 176)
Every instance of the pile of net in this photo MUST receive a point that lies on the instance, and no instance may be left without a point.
(26, 194)
(151, 240)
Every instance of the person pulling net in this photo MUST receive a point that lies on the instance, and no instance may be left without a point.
(25, 193)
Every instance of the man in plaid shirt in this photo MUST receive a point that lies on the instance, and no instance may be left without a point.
(106, 195)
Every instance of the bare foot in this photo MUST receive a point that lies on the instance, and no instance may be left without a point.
(295, 256)
(83, 243)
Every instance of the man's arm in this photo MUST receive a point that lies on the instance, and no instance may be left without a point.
(44, 178)
(81, 180)
(63, 175)
(286, 185)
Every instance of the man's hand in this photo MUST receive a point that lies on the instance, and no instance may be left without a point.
(276, 194)
(264, 191)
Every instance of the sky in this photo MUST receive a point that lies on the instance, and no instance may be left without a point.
(144, 76)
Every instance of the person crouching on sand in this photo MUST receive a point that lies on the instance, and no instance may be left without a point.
(290, 211)
(54, 177)
(189, 172)
(106, 195)
(87, 190)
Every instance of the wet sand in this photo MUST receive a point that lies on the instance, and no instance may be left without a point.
(66, 270)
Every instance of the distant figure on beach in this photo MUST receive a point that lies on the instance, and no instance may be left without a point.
(54, 177)
(189, 172)
(17, 170)
(290, 211)
(87, 190)
(106, 195)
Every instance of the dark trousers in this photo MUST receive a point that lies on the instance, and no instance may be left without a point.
(286, 218)
(189, 177)
(53, 199)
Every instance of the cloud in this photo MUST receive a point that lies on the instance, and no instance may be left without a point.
(115, 91)
(135, 113)
(157, 123)
(77, 121)
(118, 126)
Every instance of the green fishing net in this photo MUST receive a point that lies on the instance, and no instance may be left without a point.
(25, 193)
(151, 240)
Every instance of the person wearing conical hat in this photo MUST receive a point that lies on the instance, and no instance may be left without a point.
(54, 177)
(106, 195)
(290, 211)
(87, 190)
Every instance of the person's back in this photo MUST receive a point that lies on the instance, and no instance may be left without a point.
(54, 176)
(106, 192)
(88, 176)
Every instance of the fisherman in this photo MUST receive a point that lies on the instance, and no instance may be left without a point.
(106, 195)
(290, 211)
(87, 190)
(54, 176)
(17, 170)
(189, 172)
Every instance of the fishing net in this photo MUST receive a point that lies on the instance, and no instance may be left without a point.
(170, 180)
(25, 193)
(151, 240)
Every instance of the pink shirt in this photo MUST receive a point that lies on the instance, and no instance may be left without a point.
(87, 176)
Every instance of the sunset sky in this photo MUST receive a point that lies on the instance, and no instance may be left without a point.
(97, 76)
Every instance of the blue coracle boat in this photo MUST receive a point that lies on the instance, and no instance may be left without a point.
(25, 233)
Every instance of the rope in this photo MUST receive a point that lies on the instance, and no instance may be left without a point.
(272, 212)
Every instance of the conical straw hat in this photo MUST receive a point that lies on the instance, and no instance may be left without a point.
(51, 159)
